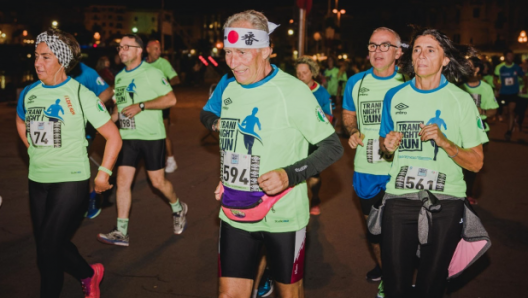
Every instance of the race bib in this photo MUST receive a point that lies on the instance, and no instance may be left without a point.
(239, 171)
(45, 133)
(126, 123)
(411, 177)
(374, 153)
(509, 81)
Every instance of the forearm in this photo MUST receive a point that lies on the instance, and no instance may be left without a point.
(328, 151)
(490, 113)
(350, 121)
(106, 95)
(21, 129)
(175, 81)
(113, 144)
(471, 159)
(383, 148)
(163, 102)
(209, 119)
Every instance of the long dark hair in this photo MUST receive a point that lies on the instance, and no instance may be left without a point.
(458, 68)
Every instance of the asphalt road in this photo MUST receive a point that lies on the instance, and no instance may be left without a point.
(160, 264)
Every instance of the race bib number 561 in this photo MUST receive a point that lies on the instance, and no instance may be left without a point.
(239, 171)
(411, 177)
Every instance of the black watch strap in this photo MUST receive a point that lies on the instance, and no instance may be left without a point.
(142, 106)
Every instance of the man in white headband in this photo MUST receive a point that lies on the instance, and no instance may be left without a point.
(266, 119)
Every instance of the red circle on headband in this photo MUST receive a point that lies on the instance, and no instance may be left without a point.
(232, 37)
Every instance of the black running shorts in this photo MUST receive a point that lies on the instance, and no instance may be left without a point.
(152, 151)
(367, 203)
(239, 253)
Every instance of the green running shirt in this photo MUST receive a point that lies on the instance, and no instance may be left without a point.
(369, 98)
(165, 67)
(334, 79)
(55, 118)
(423, 165)
(265, 126)
(484, 94)
(141, 84)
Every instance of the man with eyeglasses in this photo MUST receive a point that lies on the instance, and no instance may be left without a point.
(141, 92)
(362, 106)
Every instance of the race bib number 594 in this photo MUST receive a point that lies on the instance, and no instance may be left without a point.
(411, 177)
(240, 171)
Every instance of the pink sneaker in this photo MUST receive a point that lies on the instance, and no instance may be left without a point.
(472, 201)
(90, 285)
(315, 210)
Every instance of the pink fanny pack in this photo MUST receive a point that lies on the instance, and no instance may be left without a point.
(243, 206)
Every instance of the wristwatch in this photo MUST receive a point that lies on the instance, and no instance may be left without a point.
(142, 106)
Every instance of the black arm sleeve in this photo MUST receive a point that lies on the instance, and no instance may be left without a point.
(328, 151)
(208, 118)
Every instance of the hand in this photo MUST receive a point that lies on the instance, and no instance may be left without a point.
(432, 132)
(274, 182)
(392, 141)
(219, 191)
(131, 110)
(216, 125)
(101, 182)
(356, 139)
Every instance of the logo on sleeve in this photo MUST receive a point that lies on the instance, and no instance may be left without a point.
(164, 81)
(101, 106)
(320, 115)
(100, 81)
(480, 123)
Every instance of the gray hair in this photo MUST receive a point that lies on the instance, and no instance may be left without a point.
(257, 19)
(398, 39)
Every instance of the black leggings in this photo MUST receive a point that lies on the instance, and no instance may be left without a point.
(400, 242)
(57, 210)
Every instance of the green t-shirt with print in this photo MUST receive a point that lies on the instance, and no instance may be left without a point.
(266, 126)
(334, 79)
(483, 94)
(489, 79)
(141, 84)
(521, 86)
(55, 119)
(165, 67)
(423, 165)
(364, 94)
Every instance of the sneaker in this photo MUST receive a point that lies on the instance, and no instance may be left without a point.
(93, 210)
(179, 219)
(472, 200)
(374, 274)
(508, 135)
(90, 285)
(315, 210)
(115, 237)
(381, 291)
(171, 165)
(265, 287)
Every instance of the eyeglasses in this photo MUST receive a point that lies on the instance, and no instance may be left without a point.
(372, 47)
(125, 47)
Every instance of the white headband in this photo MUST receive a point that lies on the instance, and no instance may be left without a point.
(57, 46)
(248, 38)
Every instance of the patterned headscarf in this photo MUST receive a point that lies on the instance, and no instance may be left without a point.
(57, 46)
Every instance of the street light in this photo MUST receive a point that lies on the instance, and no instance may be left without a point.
(522, 37)
(134, 29)
(290, 32)
(339, 13)
(54, 24)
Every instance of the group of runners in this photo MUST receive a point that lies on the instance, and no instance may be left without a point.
(414, 132)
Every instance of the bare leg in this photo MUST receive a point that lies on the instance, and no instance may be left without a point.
(168, 143)
(159, 182)
(262, 267)
(295, 290)
(511, 114)
(125, 175)
(230, 287)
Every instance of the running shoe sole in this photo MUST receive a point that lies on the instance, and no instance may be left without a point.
(107, 241)
(93, 216)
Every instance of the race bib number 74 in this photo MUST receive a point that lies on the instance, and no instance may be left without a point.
(45, 133)
(411, 177)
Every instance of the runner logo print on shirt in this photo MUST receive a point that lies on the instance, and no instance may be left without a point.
(371, 112)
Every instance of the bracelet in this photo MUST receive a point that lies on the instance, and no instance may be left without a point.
(101, 168)
(455, 153)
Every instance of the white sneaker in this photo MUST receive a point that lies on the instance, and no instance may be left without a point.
(171, 165)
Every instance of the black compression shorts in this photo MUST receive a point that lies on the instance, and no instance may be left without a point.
(166, 113)
(152, 151)
(240, 251)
